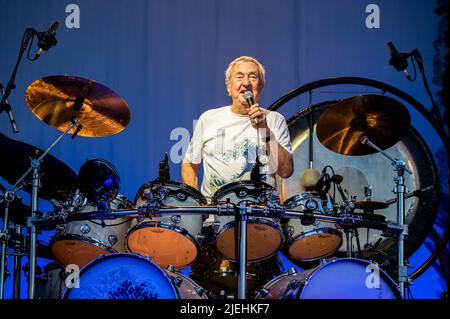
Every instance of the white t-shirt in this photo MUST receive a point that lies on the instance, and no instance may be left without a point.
(226, 142)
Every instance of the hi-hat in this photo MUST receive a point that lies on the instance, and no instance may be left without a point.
(56, 100)
(57, 179)
(382, 119)
(370, 205)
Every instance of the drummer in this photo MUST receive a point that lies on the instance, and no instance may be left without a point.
(225, 138)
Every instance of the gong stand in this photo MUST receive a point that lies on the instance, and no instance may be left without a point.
(400, 190)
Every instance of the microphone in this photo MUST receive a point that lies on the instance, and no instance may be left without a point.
(337, 180)
(398, 60)
(323, 183)
(46, 40)
(164, 169)
(250, 101)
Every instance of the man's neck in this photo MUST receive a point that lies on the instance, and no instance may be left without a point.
(240, 109)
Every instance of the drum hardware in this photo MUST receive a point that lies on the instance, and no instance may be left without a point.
(400, 190)
(417, 192)
(35, 170)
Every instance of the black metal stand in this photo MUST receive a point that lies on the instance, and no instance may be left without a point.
(9, 196)
(400, 190)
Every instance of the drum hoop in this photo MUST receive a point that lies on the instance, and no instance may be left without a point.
(227, 188)
(310, 232)
(383, 274)
(85, 239)
(188, 189)
(180, 230)
(117, 255)
(296, 198)
(271, 282)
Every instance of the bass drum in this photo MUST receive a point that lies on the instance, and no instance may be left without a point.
(376, 171)
(345, 278)
(130, 276)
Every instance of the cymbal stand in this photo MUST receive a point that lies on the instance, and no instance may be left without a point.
(400, 190)
(18, 252)
(349, 237)
(4, 238)
(242, 226)
(35, 170)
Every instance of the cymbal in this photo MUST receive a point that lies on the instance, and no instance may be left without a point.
(382, 119)
(57, 179)
(56, 100)
(370, 205)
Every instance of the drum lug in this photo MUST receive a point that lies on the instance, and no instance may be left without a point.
(200, 291)
(171, 268)
(176, 219)
(200, 238)
(294, 284)
(85, 228)
(264, 292)
(290, 230)
(292, 271)
(177, 281)
(112, 239)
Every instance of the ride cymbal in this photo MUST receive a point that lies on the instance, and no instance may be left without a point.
(57, 179)
(382, 119)
(56, 100)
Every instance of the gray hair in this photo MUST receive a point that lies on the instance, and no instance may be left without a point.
(261, 70)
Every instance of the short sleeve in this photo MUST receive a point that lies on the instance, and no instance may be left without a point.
(281, 133)
(195, 149)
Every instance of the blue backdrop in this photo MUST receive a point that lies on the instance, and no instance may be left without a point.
(167, 59)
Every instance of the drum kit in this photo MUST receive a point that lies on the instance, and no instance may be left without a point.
(136, 249)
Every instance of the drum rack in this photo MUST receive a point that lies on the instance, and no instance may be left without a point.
(345, 220)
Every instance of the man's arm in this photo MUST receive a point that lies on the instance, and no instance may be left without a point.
(189, 174)
(284, 161)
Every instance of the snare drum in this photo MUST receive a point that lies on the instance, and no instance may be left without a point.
(310, 242)
(130, 276)
(345, 278)
(168, 240)
(264, 235)
(79, 242)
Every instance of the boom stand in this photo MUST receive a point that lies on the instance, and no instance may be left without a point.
(400, 190)
(34, 168)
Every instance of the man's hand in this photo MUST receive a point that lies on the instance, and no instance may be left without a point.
(258, 116)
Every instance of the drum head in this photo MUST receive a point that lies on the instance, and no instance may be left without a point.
(98, 180)
(76, 250)
(172, 246)
(374, 170)
(122, 276)
(348, 278)
(264, 239)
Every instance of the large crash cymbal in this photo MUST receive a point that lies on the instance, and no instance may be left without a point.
(56, 100)
(57, 179)
(382, 119)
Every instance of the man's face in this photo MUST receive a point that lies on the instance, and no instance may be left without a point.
(244, 77)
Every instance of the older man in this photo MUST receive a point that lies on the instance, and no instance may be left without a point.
(226, 138)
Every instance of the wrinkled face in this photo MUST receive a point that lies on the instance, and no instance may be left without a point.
(244, 76)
